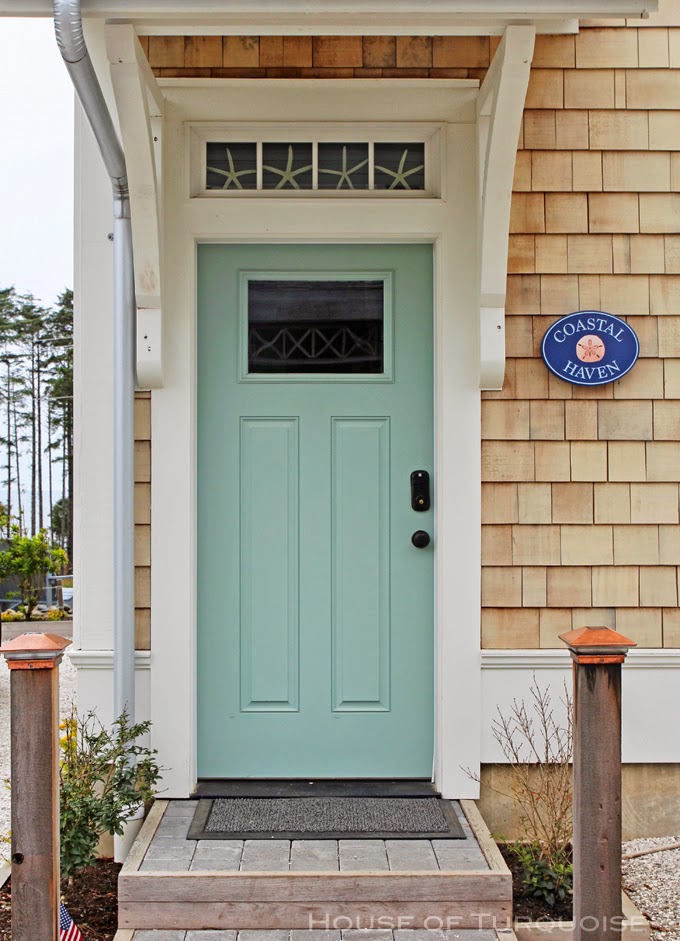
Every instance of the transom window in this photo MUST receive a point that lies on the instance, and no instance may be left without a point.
(343, 160)
(236, 165)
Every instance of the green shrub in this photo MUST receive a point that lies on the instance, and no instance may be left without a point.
(29, 559)
(549, 882)
(105, 776)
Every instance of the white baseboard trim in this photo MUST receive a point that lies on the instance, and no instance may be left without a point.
(103, 659)
(648, 658)
(651, 697)
(656, 658)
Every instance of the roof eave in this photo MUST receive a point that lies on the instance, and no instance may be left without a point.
(345, 17)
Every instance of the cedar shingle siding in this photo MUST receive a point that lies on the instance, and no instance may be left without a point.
(581, 485)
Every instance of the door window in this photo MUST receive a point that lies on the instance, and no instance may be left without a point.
(335, 326)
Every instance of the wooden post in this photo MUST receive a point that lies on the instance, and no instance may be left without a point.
(597, 654)
(33, 660)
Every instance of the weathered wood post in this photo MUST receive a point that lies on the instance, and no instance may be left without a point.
(598, 653)
(33, 660)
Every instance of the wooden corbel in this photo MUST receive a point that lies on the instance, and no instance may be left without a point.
(139, 102)
(500, 105)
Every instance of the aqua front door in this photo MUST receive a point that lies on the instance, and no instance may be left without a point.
(315, 608)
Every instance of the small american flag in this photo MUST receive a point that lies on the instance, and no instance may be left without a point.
(68, 930)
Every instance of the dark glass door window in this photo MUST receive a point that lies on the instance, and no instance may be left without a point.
(316, 326)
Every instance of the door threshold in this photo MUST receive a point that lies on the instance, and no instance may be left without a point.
(322, 787)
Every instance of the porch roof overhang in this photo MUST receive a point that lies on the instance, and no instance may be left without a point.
(344, 17)
(139, 102)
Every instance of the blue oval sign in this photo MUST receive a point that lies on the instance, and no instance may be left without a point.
(590, 348)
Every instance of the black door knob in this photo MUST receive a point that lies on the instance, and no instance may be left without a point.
(420, 539)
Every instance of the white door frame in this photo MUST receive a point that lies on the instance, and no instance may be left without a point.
(450, 225)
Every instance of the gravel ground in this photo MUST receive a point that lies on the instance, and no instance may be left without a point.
(653, 883)
(67, 691)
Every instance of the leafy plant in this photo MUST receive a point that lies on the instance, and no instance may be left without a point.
(29, 559)
(105, 775)
(12, 615)
(550, 883)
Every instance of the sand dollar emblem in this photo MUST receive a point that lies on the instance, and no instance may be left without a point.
(590, 349)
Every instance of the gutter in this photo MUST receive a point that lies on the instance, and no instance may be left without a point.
(71, 41)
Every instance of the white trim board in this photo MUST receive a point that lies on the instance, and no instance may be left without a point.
(139, 102)
(500, 108)
(661, 658)
(373, 24)
(94, 682)
(103, 659)
(344, 17)
(650, 697)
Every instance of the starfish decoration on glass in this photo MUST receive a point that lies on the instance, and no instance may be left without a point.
(288, 175)
(345, 174)
(401, 174)
(232, 174)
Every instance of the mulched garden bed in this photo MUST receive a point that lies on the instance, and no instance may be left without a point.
(91, 902)
(528, 908)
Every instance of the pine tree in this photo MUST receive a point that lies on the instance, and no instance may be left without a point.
(36, 409)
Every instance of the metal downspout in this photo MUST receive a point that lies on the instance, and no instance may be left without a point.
(71, 41)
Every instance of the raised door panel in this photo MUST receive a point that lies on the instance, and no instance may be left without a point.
(269, 564)
(360, 553)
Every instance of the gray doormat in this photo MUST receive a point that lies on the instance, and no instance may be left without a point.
(325, 818)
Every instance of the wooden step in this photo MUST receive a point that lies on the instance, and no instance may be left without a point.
(203, 899)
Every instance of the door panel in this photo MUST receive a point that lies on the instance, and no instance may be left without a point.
(360, 559)
(270, 542)
(315, 611)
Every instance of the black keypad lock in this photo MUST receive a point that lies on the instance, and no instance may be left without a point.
(420, 491)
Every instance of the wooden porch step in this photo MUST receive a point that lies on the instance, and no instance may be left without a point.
(412, 934)
(158, 889)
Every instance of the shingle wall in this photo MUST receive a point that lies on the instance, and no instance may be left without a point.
(319, 56)
(580, 486)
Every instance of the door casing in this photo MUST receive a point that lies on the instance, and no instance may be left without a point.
(449, 224)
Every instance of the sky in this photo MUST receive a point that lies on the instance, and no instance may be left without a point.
(36, 161)
(36, 167)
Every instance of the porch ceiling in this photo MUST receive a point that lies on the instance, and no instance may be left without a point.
(343, 17)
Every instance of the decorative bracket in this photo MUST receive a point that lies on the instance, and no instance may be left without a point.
(500, 105)
(139, 102)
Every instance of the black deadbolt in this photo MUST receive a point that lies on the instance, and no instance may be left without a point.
(420, 539)
(420, 491)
